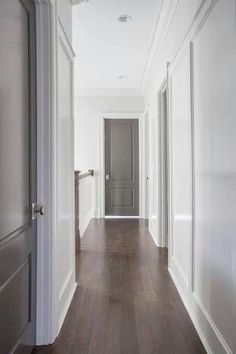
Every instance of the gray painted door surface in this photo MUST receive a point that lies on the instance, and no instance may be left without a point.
(17, 176)
(121, 167)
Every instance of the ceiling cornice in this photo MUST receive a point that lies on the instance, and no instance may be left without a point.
(161, 30)
(76, 2)
(164, 22)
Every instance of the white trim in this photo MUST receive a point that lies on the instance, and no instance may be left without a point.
(208, 332)
(170, 170)
(66, 292)
(108, 92)
(121, 217)
(119, 115)
(48, 319)
(192, 240)
(164, 24)
(163, 186)
(89, 216)
(66, 39)
(146, 167)
(67, 305)
(46, 119)
(202, 13)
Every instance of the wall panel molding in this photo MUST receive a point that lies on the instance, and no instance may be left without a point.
(210, 331)
(210, 336)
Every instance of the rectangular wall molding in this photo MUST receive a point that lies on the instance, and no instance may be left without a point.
(191, 267)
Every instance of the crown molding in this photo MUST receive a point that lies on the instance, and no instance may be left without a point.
(108, 92)
(164, 22)
(76, 2)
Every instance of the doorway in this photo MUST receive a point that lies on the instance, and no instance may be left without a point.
(122, 167)
(163, 165)
(18, 188)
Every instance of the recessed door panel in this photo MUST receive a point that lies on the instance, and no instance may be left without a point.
(122, 197)
(14, 304)
(14, 125)
(121, 160)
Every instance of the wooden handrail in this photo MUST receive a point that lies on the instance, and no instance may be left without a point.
(78, 177)
(86, 174)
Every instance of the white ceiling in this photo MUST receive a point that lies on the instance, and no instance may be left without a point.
(106, 48)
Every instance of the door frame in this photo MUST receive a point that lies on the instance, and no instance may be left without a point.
(49, 35)
(163, 153)
(142, 173)
(46, 39)
(146, 160)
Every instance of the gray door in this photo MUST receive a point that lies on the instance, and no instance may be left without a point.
(122, 167)
(17, 176)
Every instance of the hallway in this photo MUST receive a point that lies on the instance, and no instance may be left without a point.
(125, 302)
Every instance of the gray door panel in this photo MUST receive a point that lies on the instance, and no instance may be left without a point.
(17, 174)
(122, 167)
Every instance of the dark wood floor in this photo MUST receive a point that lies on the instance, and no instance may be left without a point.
(126, 302)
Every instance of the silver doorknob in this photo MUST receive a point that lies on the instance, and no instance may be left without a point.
(37, 209)
(41, 210)
(107, 177)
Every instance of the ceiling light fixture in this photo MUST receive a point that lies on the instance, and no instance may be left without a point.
(120, 77)
(124, 18)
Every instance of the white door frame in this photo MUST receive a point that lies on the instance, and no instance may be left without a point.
(146, 161)
(49, 34)
(142, 172)
(162, 155)
(46, 37)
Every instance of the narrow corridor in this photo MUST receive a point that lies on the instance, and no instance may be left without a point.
(126, 302)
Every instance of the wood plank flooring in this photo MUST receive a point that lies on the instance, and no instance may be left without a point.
(126, 302)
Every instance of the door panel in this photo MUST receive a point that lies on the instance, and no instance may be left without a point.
(121, 151)
(122, 167)
(17, 175)
(14, 145)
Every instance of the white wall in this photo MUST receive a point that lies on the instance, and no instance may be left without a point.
(202, 86)
(87, 144)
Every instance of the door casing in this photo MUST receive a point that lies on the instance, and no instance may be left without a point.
(163, 156)
(128, 185)
(100, 213)
(46, 34)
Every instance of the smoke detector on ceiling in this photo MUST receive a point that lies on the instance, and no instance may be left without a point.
(124, 18)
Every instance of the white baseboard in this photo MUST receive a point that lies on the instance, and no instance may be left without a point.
(84, 223)
(152, 231)
(97, 214)
(207, 330)
(72, 287)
